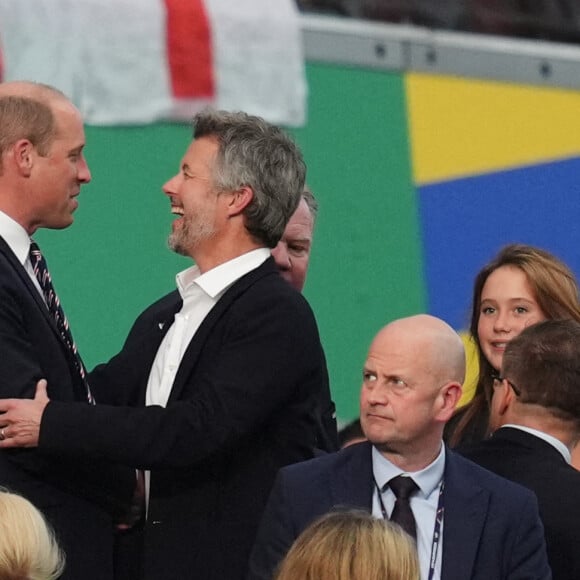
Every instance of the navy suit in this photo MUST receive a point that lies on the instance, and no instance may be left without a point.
(251, 395)
(79, 496)
(534, 463)
(491, 527)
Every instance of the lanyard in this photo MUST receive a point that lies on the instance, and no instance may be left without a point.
(436, 541)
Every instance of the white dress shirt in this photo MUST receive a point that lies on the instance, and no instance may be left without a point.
(200, 293)
(423, 503)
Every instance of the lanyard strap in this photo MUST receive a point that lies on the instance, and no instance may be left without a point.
(437, 531)
(436, 540)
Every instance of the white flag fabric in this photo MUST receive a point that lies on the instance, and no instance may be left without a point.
(140, 61)
(269, 37)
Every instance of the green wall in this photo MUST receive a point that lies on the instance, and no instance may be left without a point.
(366, 267)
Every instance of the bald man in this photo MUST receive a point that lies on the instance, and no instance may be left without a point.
(486, 527)
(42, 171)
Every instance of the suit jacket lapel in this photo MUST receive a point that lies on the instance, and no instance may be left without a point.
(353, 486)
(22, 274)
(153, 334)
(191, 355)
(465, 501)
(466, 505)
(165, 317)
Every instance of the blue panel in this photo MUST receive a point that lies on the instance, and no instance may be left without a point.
(466, 221)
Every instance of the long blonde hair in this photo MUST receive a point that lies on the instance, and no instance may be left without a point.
(28, 548)
(351, 545)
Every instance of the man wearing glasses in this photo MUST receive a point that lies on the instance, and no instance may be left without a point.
(535, 416)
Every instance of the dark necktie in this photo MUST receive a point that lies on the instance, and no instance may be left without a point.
(403, 487)
(53, 303)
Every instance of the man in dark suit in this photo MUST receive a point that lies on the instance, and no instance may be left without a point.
(468, 522)
(41, 174)
(535, 416)
(230, 366)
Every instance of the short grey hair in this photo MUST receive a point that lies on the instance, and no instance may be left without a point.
(311, 202)
(253, 153)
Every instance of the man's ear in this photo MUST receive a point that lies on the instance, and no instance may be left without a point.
(506, 397)
(240, 199)
(449, 396)
(22, 155)
(501, 401)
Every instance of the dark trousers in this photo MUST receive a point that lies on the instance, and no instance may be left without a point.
(128, 554)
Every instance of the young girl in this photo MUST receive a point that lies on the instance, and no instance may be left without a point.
(522, 285)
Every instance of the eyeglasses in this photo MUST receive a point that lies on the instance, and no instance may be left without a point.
(499, 379)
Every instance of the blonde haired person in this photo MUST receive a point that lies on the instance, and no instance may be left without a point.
(28, 548)
(351, 545)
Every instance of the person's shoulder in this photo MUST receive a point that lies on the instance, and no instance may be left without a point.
(352, 457)
(166, 301)
(542, 470)
(264, 289)
(460, 464)
(470, 473)
(475, 449)
(267, 275)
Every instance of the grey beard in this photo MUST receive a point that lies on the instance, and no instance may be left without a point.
(189, 236)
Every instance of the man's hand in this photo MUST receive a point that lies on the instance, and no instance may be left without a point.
(20, 419)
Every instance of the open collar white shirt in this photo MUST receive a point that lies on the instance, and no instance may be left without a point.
(423, 503)
(200, 293)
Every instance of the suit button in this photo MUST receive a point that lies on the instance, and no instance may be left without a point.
(155, 522)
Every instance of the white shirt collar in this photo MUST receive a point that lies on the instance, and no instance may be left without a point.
(547, 438)
(216, 280)
(15, 236)
(427, 479)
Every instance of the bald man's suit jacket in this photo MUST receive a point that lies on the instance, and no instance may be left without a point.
(78, 496)
(530, 461)
(491, 527)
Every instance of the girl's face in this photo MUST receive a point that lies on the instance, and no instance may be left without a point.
(508, 305)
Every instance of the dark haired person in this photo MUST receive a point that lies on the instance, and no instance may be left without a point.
(535, 419)
(229, 365)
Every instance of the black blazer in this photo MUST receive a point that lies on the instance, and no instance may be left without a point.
(491, 527)
(78, 496)
(536, 464)
(246, 400)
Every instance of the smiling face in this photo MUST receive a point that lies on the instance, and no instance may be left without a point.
(56, 178)
(292, 253)
(508, 305)
(193, 198)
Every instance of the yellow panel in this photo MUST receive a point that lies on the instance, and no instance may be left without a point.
(471, 369)
(461, 127)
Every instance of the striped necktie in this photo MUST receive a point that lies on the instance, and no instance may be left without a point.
(53, 303)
